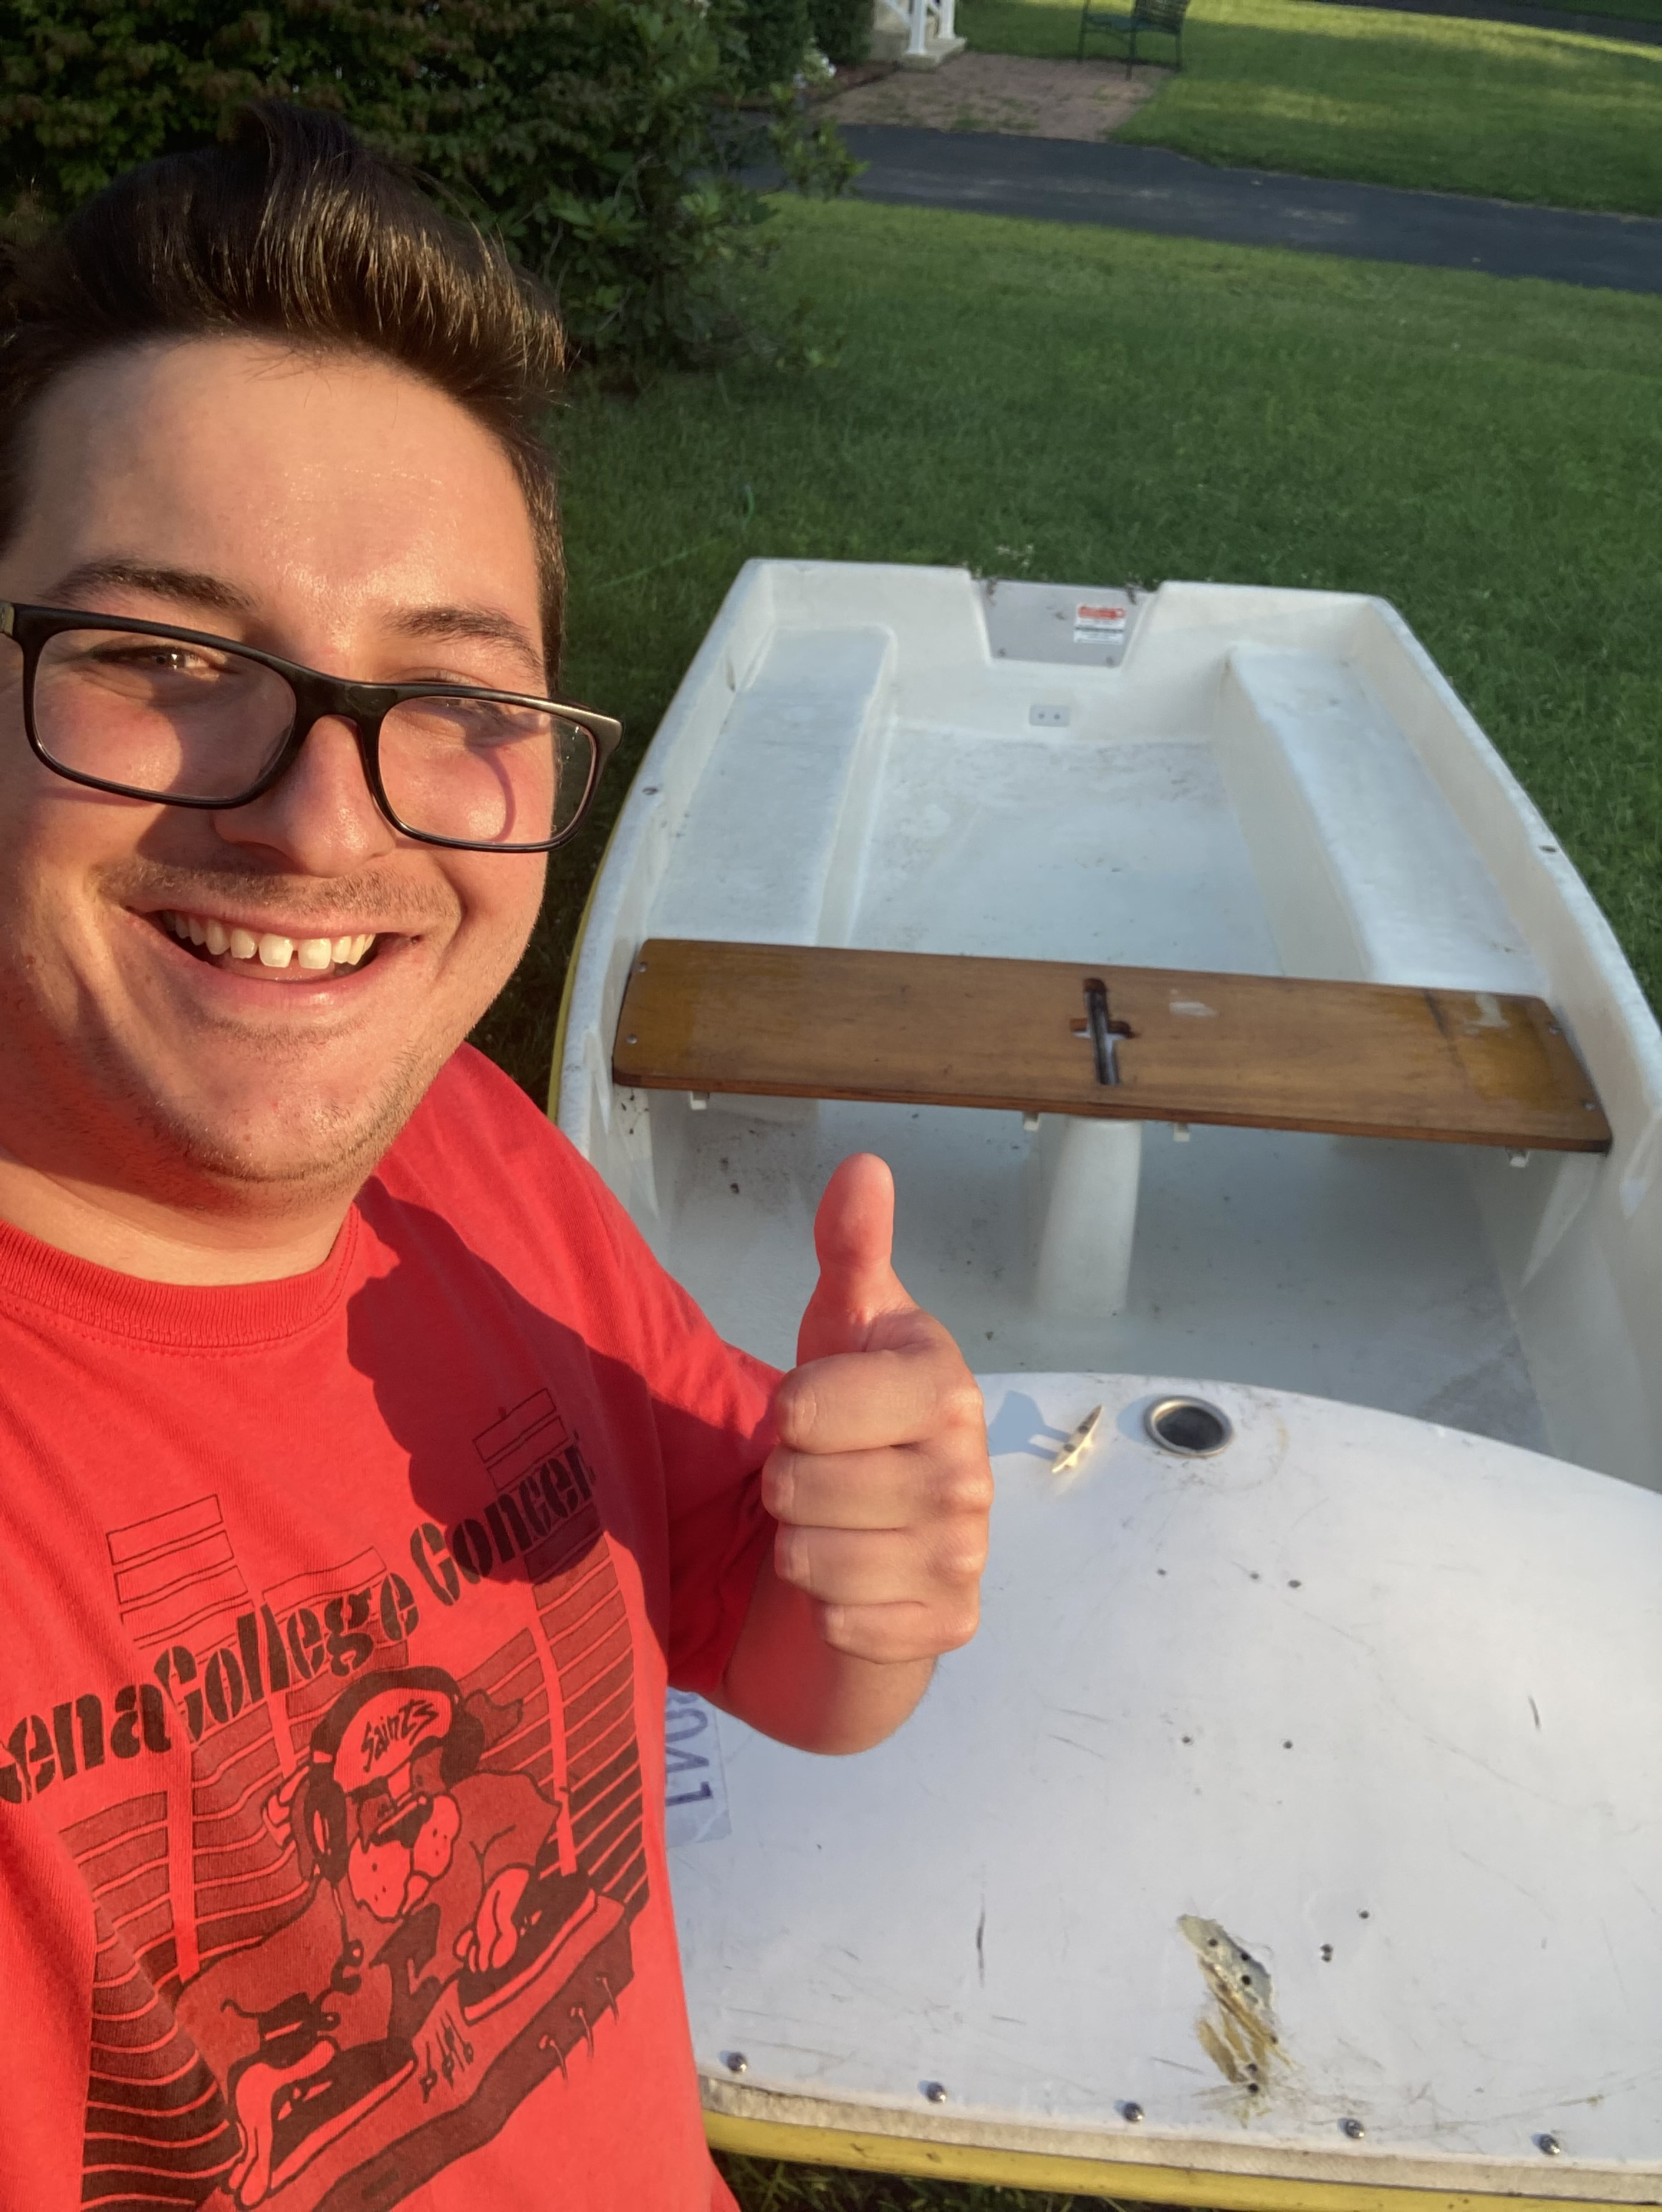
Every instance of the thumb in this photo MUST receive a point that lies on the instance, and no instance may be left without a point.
(854, 1237)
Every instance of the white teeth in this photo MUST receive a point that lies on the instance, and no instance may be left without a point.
(273, 951)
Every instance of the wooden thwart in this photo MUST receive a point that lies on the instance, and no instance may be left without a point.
(1149, 1044)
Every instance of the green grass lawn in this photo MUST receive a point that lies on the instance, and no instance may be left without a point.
(765, 2185)
(1504, 110)
(1101, 405)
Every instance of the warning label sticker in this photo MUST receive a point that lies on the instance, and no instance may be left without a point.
(1098, 622)
(1094, 619)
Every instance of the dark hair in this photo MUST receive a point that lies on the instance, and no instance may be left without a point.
(297, 230)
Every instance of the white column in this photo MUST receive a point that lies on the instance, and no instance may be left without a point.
(1082, 1198)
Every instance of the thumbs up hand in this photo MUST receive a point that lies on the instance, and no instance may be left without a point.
(879, 1482)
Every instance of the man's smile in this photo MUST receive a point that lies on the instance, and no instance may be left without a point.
(267, 954)
(246, 939)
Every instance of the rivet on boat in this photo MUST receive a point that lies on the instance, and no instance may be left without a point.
(1030, 1122)
(1130, 2110)
(735, 2062)
(1514, 1159)
(1193, 1428)
(1548, 2146)
(697, 1100)
(935, 2091)
(1353, 2128)
(1179, 1132)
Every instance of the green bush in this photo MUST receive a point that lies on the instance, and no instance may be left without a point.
(778, 34)
(842, 29)
(604, 138)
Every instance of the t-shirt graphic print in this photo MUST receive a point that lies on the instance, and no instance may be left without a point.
(365, 1849)
(401, 1933)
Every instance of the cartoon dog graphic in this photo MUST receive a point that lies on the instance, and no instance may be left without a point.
(435, 1899)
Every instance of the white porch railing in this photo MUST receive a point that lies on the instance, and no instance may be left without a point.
(923, 32)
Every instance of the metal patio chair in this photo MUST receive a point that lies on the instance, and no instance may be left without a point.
(1165, 16)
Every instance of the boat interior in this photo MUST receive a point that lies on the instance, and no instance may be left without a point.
(1222, 783)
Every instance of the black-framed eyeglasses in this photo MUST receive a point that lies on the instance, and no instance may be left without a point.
(147, 711)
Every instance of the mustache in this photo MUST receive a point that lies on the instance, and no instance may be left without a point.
(384, 902)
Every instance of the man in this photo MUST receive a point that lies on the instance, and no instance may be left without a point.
(363, 1481)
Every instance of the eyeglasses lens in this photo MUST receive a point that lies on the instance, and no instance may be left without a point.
(490, 771)
(169, 719)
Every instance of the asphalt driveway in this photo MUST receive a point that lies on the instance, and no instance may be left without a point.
(1146, 188)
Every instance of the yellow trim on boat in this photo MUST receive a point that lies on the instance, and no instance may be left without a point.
(562, 1020)
(1091, 2177)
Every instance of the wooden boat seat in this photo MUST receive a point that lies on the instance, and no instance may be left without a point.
(1139, 1044)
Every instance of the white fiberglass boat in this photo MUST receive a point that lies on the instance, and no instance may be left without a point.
(1253, 1067)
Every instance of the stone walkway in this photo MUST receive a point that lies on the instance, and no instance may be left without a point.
(1012, 94)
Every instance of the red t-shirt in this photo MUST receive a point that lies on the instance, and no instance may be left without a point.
(338, 1618)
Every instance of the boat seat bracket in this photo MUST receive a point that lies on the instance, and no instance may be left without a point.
(1104, 1034)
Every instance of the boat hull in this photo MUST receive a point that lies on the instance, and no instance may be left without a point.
(1293, 1817)
(1373, 1696)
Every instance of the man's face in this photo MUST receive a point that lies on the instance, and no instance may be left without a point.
(336, 512)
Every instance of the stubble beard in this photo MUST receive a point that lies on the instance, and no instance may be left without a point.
(309, 1149)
